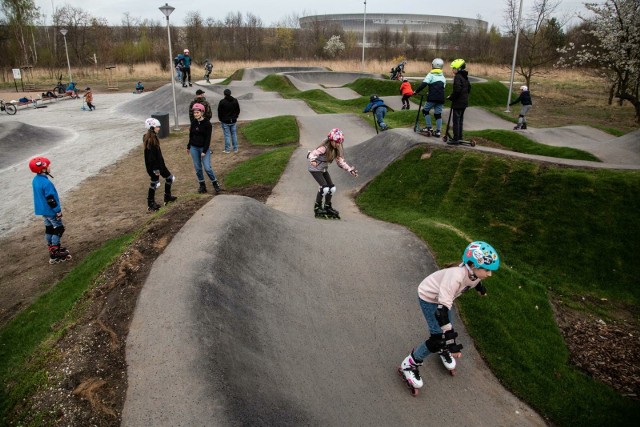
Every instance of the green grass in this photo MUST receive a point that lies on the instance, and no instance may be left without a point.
(557, 230)
(26, 339)
(272, 131)
(521, 144)
(264, 169)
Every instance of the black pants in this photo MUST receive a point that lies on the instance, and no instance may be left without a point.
(405, 101)
(458, 120)
(185, 72)
(324, 180)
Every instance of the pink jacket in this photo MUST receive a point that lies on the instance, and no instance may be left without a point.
(318, 155)
(444, 286)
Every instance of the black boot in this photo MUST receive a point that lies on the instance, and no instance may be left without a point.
(216, 187)
(203, 188)
(319, 211)
(152, 206)
(168, 198)
(331, 213)
(524, 125)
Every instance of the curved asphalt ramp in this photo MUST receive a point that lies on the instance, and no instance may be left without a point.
(328, 81)
(19, 141)
(262, 315)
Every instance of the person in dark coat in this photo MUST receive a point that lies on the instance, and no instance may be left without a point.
(154, 163)
(459, 98)
(228, 112)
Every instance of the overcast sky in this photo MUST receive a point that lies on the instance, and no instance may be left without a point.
(272, 11)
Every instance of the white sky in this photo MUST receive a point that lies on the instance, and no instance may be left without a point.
(271, 11)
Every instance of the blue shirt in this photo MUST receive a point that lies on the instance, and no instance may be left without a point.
(43, 188)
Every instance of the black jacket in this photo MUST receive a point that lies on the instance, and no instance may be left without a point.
(200, 134)
(153, 160)
(228, 110)
(461, 88)
(525, 98)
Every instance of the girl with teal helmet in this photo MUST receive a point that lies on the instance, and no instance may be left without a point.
(481, 255)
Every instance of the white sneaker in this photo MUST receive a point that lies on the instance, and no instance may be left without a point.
(226, 151)
(410, 371)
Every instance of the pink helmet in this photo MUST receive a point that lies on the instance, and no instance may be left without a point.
(198, 106)
(186, 51)
(336, 135)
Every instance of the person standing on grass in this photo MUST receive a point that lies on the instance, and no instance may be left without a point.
(525, 99)
(198, 148)
(228, 112)
(154, 163)
(459, 98)
(436, 294)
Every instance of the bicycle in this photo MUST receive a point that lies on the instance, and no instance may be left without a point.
(10, 109)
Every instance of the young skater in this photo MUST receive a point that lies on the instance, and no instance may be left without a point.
(331, 149)
(407, 92)
(525, 99)
(88, 98)
(436, 82)
(198, 147)
(186, 68)
(379, 108)
(154, 162)
(459, 98)
(47, 203)
(208, 67)
(436, 294)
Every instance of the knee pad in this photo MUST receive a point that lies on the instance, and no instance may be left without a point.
(170, 179)
(58, 231)
(325, 190)
(437, 115)
(332, 190)
(49, 229)
(154, 184)
(435, 343)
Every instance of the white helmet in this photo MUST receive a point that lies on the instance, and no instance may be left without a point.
(523, 87)
(186, 51)
(437, 63)
(151, 123)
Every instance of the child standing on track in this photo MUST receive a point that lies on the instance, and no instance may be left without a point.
(377, 105)
(88, 98)
(436, 294)
(459, 98)
(154, 163)
(331, 149)
(407, 92)
(47, 203)
(525, 100)
(436, 82)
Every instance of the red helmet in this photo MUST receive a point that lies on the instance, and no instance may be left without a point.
(198, 106)
(39, 164)
(336, 135)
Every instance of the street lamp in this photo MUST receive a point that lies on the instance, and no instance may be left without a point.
(513, 63)
(166, 10)
(64, 32)
(364, 32)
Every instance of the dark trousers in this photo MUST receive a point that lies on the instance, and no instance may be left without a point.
(324, 180)
(186, 72)
(458, 119)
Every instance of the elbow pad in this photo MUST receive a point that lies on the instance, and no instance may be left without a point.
(442, 315)
(51, 201)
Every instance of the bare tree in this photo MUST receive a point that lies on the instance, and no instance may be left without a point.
(21, 16)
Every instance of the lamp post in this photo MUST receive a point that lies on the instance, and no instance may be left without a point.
(513, 63)
(64, 35)
(364, 32)
(166, 10)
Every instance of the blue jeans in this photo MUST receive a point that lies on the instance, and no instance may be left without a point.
(380, 113)
(230, 136)
(429, 312)
(437, 109)
(52, 221)
(199, 161)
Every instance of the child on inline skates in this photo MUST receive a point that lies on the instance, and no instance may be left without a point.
(331, 149)
(436, 294)
(47, 203)
(436, 82)
(525, 99)
(154, 163)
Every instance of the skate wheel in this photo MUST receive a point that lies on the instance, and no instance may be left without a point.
(414, 391)
(445, 139)
(67, 258)
(473, 143)
(452, 372)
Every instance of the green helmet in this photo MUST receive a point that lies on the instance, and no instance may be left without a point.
(458, 64)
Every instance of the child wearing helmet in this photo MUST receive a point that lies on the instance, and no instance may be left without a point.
(88, 98)
(525, 99)
(436, 294)
(47, 203)
(198, 148)
(186, 68)
(407, 92)
(379, 108)
(154, 163)
(459, 98)
(208, 67)
(436, 83)
(319, 159)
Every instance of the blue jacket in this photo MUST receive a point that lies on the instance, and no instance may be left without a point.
(374, 105)
(187, 61)
(43, 188)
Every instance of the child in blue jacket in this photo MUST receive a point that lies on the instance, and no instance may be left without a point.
(377, 105)
(47, 203)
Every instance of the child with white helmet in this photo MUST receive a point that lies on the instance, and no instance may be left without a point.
(154, 163)
(436, 294)
(331, 149)
(436, 82)
(525, 99)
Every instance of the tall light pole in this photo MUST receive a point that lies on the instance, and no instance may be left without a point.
(64, 35)
(515, 53)
(364, 32)
(166, 10)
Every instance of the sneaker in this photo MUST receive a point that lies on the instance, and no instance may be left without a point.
(426, 130)
(226, 151)
(437, 134)
(235, 151)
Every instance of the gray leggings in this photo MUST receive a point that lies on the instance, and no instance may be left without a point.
(523, 112)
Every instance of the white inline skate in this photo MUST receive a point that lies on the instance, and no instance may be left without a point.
(410, 374)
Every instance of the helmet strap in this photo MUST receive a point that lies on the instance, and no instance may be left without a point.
(472, 275)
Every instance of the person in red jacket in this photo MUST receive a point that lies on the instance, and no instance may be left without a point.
(407, 91)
